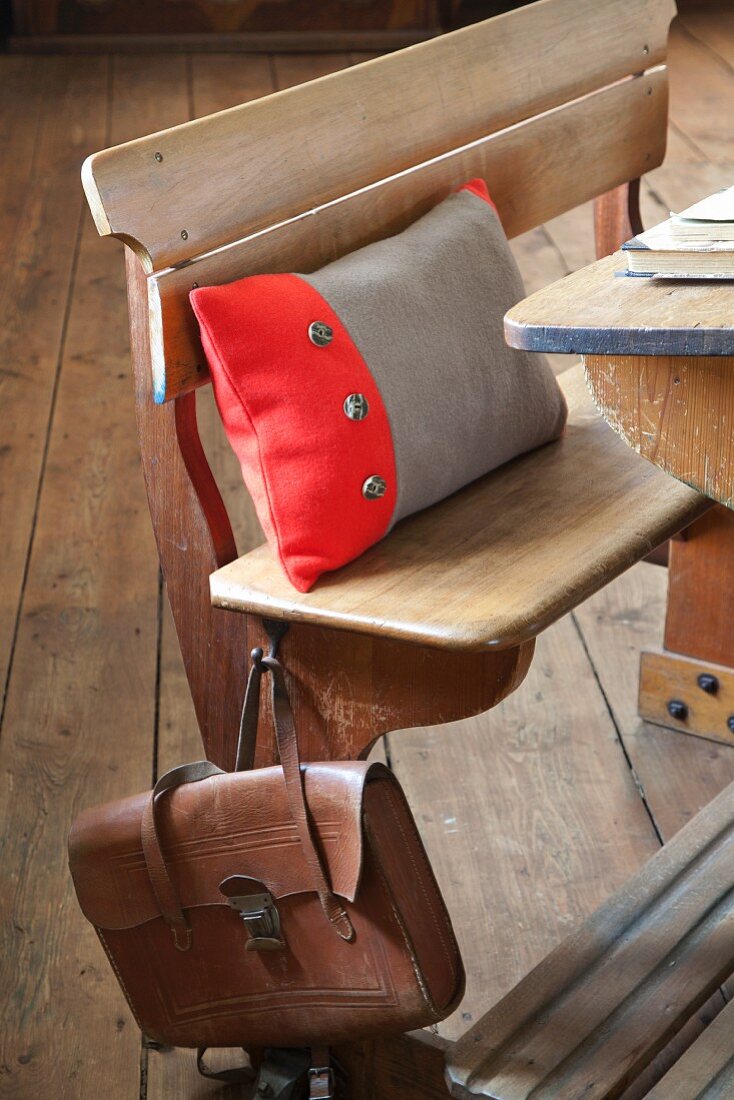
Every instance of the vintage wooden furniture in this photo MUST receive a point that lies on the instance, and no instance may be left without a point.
(439, 620)
(659, 359)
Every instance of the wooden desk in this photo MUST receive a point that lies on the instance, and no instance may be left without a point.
(659, 360)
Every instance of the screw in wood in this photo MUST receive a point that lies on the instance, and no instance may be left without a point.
(184, 235)
(677, 709)
(158, 157)
(645, 49)
(708, 683)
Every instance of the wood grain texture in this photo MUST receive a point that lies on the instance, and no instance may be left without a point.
(497, 562)
(706, 1070)
(667, 676)
(79, 718)
(700, 611)
(49, 122)
(348, 689)
(597, 312)
(463, 86)
(406, 1067)
(193, 536)
(616, 132)
(674, 411)
(677, 775)
(616, 218)
(587, 1020)
(530, 816)
(699, 67)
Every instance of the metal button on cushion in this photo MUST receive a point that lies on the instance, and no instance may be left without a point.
(356, 406)
(320, 334)
(374, 487)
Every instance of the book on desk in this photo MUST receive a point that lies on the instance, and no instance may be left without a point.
(698, 243)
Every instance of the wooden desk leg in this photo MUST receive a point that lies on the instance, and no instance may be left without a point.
(654, 403)
(690, 684)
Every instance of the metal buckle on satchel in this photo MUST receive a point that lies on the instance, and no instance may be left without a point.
(256, 906)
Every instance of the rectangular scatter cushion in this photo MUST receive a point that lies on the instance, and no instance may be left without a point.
(377, 385)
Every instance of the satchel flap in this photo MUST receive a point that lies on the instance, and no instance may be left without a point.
(238, 823)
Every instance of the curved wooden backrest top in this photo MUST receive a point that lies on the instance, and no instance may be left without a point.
(188, 190)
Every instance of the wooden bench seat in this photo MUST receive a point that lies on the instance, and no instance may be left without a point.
(595, 1012)
(500, 561)
(706, 1070)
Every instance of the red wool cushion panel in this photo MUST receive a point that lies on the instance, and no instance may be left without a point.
(377, 385)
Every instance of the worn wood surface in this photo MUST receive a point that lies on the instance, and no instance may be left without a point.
(587, 1020)
(701, 590)
(192, 533)
(676, 775)
(619, 131)
(49, 120)
(706, 1071)
(348, 689)
(675, 411)
(616, 218)
(410, 1067)
(548, 529)
(597, 312)
(463, 86)
(537, 882)
(554, 825)
(80, 704)
(667, 678)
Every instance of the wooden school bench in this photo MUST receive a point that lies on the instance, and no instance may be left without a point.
(555, 104)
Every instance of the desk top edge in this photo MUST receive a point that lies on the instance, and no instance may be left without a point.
(596, 312)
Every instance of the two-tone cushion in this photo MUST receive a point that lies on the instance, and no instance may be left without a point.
(376, 386)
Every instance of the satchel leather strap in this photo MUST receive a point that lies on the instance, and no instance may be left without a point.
(160, 880)
(285, 732)
(245, 758)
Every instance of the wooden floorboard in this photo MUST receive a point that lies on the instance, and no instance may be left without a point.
(533, 813)
(62, 108)
(79, 718)
(531, 818)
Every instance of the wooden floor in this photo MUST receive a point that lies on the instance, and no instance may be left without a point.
(540, 808)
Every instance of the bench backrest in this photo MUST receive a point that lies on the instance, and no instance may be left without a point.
(553, 104)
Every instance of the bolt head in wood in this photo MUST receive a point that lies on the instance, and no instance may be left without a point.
(677, 709)
(730, 723)
(708, 683)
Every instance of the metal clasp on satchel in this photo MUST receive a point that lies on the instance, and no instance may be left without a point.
(256, 906)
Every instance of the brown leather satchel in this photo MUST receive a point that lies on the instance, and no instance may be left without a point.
(288, 906)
